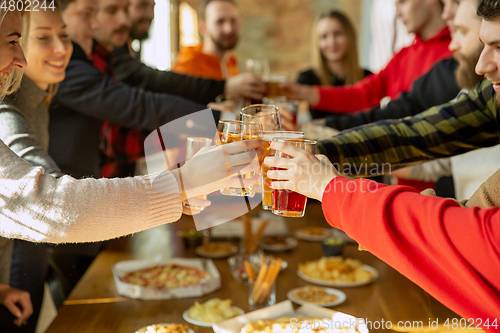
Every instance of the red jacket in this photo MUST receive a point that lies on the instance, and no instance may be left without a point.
(451, 252)
(397, 77)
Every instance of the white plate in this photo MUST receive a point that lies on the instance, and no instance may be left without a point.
(340, 284)
(341, 297)
(291, 243)
(196, 322)
(202, 253)
(144, 329)
(299, 234)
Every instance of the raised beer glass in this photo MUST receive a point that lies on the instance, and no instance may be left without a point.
(235, 130)
(268, 136)
(285, 202)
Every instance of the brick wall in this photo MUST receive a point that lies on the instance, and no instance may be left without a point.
(280, 30)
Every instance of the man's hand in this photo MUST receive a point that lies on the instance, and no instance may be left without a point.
(246, 85)
(301, 92)
(18, 302)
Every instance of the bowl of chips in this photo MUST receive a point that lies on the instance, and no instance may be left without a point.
(211, 312)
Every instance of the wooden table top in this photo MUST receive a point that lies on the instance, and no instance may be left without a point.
(95, 306)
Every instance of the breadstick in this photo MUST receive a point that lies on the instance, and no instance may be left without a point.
(249, 270)
(247, 232)
(260, 279)
(257, 235)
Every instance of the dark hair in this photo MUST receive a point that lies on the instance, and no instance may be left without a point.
(489, 10)
(204, 4)
(63, 4)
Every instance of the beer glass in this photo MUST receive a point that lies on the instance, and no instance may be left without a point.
(235, 130)
(194, 145)
(272, 82)
(267, 115)
(268, 136)
(260, 67)
(291, 106)
(285, 202)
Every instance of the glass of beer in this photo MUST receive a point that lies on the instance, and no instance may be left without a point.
(232, 131)
(266, 115)
(285, 202)
(268, 137)
(194, 145)
(282, 102)
(272, 82)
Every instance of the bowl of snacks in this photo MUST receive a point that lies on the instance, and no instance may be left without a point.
(192, 238)
(332, 246)
(211, 312)
(165, 328)
(237, 265)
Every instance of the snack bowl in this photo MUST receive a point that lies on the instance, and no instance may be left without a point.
(237, 266)
(192, 238)
(332, 246)
(145, 328)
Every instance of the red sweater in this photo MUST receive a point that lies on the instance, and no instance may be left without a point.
(451, 252)
(397, 77)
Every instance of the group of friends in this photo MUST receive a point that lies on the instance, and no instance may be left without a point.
(71, 74)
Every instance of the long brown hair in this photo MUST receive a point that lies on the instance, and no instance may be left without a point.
(353, 73)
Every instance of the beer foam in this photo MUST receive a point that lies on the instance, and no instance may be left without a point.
(271, 136)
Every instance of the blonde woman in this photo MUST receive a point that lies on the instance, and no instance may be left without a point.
(334, 54)
(54, 208)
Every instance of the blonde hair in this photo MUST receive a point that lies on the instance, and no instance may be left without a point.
(353, 73)
(15, 77)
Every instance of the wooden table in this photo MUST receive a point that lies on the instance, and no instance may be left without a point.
(95, 306)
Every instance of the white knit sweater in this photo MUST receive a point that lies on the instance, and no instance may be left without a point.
(40, 208)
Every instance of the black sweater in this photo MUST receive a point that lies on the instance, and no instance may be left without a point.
(311, 79)
(135, 73)
(436, 87)
(85, 98)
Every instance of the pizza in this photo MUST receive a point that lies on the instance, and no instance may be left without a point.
(167, 276)
(295, 325)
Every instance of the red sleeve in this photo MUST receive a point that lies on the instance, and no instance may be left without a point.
(451, 252)
(365, 94)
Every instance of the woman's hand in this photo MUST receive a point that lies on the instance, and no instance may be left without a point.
(18, 302)
(304, 173)
(219, 167)
(301, 92)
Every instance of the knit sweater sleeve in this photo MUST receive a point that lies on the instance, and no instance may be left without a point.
(38, 207)
(18, 136)
(428, 239)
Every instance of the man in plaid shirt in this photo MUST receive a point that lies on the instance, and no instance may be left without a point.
(450, 129)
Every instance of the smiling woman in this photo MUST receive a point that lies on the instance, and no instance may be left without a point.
(49, 50)
(13, 26)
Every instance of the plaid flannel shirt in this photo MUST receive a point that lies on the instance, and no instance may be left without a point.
(450, 129)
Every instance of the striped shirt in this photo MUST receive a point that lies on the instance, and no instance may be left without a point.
(450, 129)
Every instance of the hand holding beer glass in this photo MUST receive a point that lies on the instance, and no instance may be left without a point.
(286, 166)
(268, 137)
(229, 131)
